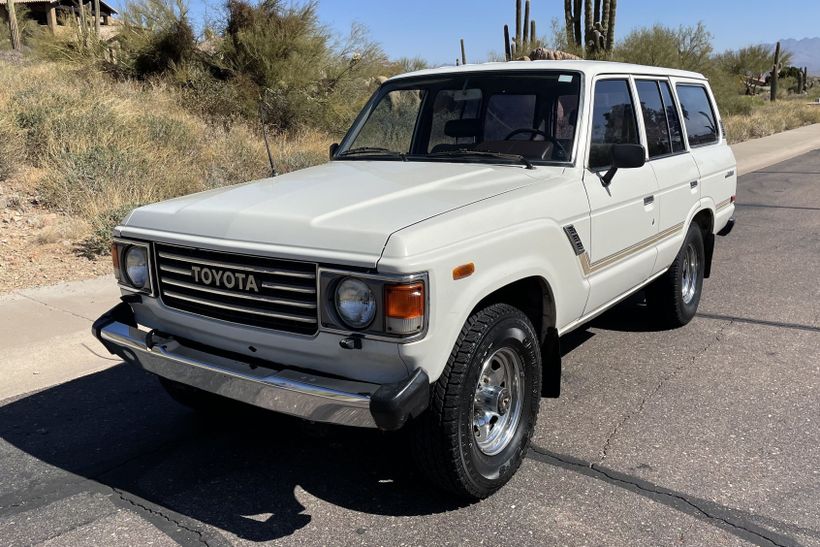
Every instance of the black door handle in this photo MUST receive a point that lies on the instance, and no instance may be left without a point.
(649, 200)
(693, 184)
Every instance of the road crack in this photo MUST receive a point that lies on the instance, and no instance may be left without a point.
(52, 307)
(155, 510)
(604, 452)
(703, 509)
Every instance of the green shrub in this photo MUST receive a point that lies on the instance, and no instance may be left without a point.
(302, 77)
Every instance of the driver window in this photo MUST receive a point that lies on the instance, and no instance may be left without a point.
(613, 121)
(506, 113)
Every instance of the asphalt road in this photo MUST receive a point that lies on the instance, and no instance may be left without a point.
(705, 435)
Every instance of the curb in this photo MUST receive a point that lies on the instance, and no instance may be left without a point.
(760, 153)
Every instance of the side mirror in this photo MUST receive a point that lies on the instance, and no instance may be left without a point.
(333, 148)
(624, 156)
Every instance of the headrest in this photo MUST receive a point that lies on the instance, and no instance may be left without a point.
(468, 127)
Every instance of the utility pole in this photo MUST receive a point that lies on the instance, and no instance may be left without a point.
(13, 30)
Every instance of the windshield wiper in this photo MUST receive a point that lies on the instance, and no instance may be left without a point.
(372, 150)
(464, 152)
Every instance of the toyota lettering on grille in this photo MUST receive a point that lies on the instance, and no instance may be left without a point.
(224, 279)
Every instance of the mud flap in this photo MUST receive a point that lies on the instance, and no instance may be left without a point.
(551, 363)
(708, 250)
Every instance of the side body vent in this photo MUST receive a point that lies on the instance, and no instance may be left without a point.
(574, 239)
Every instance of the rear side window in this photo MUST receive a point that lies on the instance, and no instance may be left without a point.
(654, 118)
(672, 117)
(698, 114)
(613, 121)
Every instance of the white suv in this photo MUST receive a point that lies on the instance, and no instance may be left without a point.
(423, 277)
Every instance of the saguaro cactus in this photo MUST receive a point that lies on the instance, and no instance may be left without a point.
(525, 45)
(525, 38)
(598, 25)
(775, 72)
(507, 45)
(610, 26)
(517, 23)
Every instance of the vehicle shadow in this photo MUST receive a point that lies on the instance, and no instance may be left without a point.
(240, 469)
(631, 315)
(239, 472)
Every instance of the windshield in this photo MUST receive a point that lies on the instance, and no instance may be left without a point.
(499, 118)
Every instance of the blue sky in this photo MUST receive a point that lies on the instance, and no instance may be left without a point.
(431, 28)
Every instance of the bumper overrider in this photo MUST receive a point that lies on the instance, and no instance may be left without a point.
(266, 385)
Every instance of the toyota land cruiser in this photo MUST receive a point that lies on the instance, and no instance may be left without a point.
(422, 278)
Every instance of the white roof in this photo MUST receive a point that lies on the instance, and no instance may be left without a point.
(590, 68)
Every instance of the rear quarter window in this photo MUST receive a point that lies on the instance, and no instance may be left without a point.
(698, 114)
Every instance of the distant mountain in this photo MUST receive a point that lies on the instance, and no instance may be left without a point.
(805, 52)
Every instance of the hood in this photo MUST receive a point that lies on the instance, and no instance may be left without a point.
(341, 207)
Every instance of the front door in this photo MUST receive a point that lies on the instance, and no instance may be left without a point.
(624, 215)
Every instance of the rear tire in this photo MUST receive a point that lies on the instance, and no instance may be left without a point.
(674, 297)
(475, 434)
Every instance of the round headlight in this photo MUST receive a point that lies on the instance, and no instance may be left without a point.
(355, 303)
(136, 266)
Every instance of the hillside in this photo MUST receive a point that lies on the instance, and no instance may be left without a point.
(78, 150)
(806, 53)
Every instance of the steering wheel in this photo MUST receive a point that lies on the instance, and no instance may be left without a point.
(533, 131)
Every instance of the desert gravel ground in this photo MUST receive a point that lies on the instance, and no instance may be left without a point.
(40, 247)
(705, 435)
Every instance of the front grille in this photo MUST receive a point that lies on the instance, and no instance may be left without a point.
(251, 290)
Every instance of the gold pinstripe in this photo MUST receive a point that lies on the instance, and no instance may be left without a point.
(723, 204)
(609, 261)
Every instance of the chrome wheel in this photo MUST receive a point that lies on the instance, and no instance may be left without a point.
(498, 401)
(689, 280)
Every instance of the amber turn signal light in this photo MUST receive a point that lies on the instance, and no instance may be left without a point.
(115, 258)
(465, 270)
(404, 308)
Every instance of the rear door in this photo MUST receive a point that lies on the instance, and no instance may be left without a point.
(707, 143)
(674, 167)
(623, 215)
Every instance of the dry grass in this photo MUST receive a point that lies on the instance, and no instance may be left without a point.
(102, 147)
(61, 229)
(770, 118)
(93, 148)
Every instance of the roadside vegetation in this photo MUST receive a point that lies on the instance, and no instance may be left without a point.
(90, 128)
(737, 77)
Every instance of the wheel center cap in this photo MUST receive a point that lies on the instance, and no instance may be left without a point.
(494, 399)
(503, 401)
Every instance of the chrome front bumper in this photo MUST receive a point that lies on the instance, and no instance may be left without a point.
(269, 386)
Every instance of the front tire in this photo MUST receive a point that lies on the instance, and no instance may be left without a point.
(674, 297)
(474, 436)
